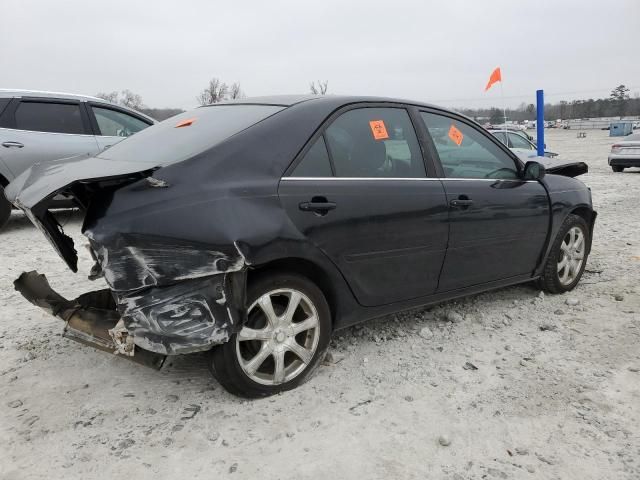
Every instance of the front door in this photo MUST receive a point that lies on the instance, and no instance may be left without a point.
(360, 193)
(498, 222)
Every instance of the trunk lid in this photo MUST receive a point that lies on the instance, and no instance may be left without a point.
(78, 177)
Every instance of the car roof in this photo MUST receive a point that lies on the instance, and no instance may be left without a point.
(8, 92)
(11, 93)
(290, 100)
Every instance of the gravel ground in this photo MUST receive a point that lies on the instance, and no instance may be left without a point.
(507, 384)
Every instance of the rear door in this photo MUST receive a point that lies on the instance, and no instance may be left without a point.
(360, 192)
(498, 222)
(113, 125)
(34, 130)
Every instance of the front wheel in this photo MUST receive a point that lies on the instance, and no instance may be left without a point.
(568, 256)
(617, 169)
(286, 336)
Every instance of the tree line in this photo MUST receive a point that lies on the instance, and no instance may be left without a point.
(619, 104)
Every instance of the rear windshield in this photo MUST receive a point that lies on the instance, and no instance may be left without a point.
(633, 137)
(188, 134)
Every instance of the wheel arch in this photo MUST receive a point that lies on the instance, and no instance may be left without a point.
(305, 268)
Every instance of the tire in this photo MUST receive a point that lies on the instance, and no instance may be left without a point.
(563, 270)
(5, 208)
(617, 169)
(248, 367)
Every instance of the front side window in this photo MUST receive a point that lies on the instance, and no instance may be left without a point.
(466, 152)
(518, 141)
(49, 117)
(117, 124)
(375, 142)
(315, 162)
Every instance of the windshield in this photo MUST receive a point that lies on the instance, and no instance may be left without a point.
(188, 134)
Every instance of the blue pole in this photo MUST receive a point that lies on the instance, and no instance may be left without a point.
(540, 121)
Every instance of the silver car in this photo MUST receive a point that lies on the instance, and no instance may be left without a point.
(625, 153)
(38, 127)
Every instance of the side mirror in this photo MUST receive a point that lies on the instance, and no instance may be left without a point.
(533, 171)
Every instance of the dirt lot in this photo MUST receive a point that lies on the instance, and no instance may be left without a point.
(556, 392)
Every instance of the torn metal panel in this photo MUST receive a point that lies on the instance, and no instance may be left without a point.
(130, 262)
(190, 316)
(88, 318)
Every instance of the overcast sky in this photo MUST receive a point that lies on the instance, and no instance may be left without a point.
(436, 51)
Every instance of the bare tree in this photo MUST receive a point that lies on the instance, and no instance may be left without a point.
(109, 97)
(131, 100)
(235, 92)
(125, 98)
(320, 88)
(216, 92)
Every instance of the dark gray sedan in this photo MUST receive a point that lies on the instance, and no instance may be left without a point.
(254, 229)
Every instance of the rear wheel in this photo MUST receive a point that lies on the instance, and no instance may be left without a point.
(286, 336)
(568, 256)
(5, 208)
(617, 169)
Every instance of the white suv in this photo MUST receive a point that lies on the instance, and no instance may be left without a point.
(38, 127)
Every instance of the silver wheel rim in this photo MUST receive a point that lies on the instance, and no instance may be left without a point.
(572, 251)
(280, 338)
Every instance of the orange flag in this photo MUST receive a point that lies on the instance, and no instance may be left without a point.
(494, 78)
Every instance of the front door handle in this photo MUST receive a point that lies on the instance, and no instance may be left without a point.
(12, 144)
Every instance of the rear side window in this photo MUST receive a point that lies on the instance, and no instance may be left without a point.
(375, 142)
(188, 134)
(49, 117)
(315, 162)
(518, 141)
(113, 123)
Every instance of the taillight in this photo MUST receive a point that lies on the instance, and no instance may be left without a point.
(616, 148)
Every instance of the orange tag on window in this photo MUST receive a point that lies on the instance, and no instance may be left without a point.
(185, 123)
(378, 129)
(455, 135)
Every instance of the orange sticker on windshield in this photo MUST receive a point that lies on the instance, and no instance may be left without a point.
(378, 129)
(185, 123)
(455, 135)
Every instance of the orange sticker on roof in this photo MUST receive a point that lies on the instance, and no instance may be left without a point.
(378, 129)
(185, 123)
(455, 135)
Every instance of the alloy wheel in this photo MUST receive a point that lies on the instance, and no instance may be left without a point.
(572, 251)
(280, 337)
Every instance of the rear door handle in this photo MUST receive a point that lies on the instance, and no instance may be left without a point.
(461, 202)
(317, 206)
(12, 144)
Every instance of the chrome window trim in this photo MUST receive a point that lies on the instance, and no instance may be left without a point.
(428, 179)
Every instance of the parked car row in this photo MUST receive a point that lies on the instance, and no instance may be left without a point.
(253, 229)
(43, 126)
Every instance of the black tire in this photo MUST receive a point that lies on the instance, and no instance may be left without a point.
(550, 280)
(617, 169)
(5, 208)
(223, 359)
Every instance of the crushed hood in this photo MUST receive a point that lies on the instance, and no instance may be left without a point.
(555, 166)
